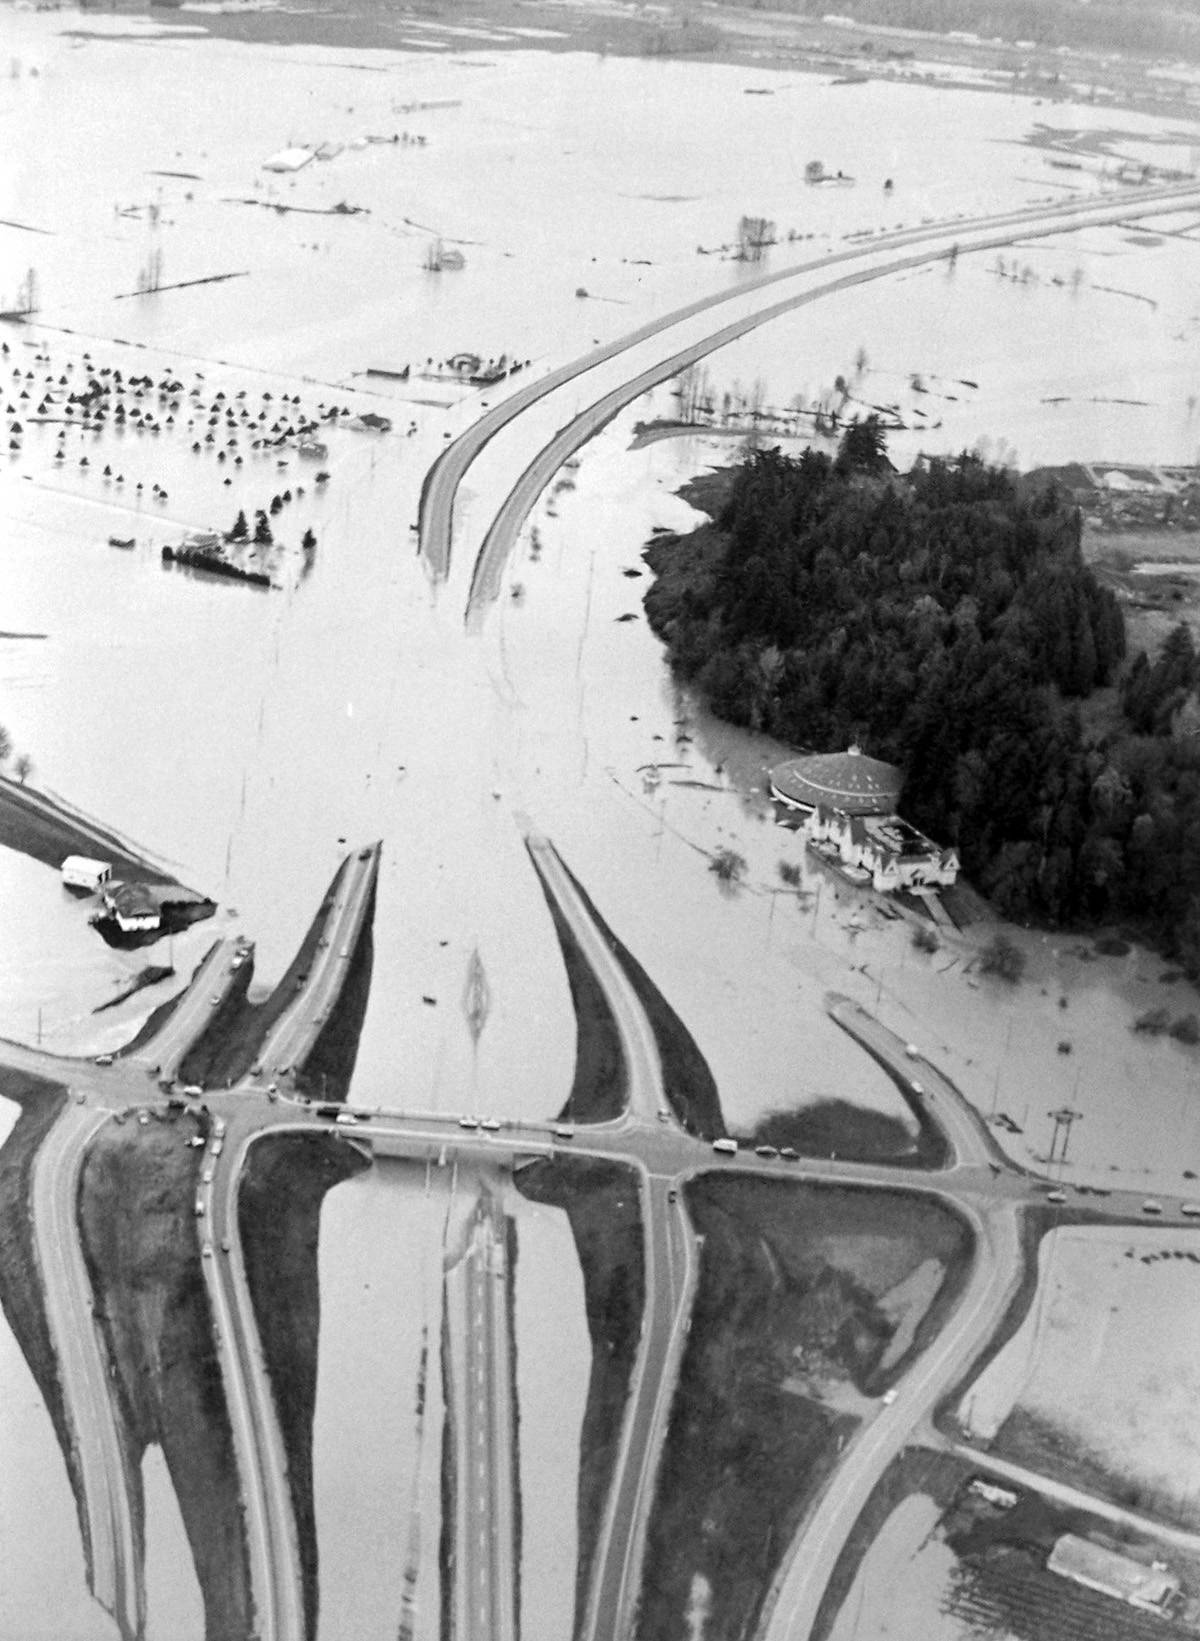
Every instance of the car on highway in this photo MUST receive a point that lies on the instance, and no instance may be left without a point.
(80, 1097)
(888, 1397)
(562, 1132)
(1191, 1209)
(663, 1114)
(727, 1148)
(492, 1124)
(765, 1151)
(1056, 1196)
(364, 854)
(195, 1142)
(912, 1051)
(348, 1118)
(217, 1147)
(1151, 1207)
(215, 999)
(104, 1059)
(198, 1209)
(468, 1122)
(206, 1250)
(916, 1088)
(789, 1152)
(225, 1244)
(192, 1091)
(219, 1128)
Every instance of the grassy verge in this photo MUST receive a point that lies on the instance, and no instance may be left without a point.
(327, 1071)
(20, 1290)
(140, 1243)
(279, 1207)
(688, 1084)
(917, 1470)
(228, 1047)
(599, 1087)
(788, 1303)
(838, 1128)
(38, 826)
(602, 1205)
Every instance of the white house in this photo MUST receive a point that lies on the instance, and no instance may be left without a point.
(82, 872)
(132, 906)
(895, 854)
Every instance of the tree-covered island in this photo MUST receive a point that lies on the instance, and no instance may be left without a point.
(945, 618)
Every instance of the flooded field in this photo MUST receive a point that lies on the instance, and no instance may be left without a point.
(384, 1237)
(249, 736)
(1104, 1366)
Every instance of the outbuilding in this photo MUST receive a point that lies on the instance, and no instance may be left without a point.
(133, 907)
(1153, 1588)
(84, 872)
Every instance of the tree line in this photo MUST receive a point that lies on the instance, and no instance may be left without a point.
(946, 620)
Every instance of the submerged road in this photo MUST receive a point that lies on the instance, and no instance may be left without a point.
(676, 346)
(114, 1566)
(485, 1495)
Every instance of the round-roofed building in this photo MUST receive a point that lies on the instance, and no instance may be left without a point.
(846, 781)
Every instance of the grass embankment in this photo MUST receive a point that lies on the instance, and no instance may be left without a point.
(838, 1128)
(791, 1299)
(41, 827)
(141, 1245)
(327, 1071)
(20, 1291)
(228, 1047)
(279, 1209)
(602, 1204)
(688, 1084)
(599, 1088)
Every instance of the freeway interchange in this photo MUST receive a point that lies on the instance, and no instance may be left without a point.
(978, 1183)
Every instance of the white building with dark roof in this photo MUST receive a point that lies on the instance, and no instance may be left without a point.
(1152, 1588)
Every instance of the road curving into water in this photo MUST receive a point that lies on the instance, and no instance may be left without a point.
(873, 258)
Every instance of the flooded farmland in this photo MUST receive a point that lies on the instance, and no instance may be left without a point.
(248, 736)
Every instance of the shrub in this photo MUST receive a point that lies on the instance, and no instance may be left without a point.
(924, 938)
(729, 866)
(1003, 958)
(1186, 1029)
(789, 873)
(1153, 1023)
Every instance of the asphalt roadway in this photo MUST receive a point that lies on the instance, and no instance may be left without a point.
(978, 1183)
(676, 348)
(114, 1566)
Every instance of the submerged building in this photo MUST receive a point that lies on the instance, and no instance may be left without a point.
(1153, 1588)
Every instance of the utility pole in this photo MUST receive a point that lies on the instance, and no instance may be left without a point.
(1062, 1119)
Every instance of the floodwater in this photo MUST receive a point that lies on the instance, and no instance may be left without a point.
(384, 1238)
(902, 1581)
(1107, 1357)
(250, 737)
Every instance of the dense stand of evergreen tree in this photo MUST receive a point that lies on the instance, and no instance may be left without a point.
(947, 621)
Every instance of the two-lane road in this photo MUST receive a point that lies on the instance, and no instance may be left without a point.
(114, 1565)
(207, 990)
(291, 1039)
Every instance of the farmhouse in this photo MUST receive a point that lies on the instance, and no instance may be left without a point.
(132, 907)
(1153, 1589)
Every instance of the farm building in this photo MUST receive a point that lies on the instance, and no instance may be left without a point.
(132, 906)
(1152, 1588)
(82, 872)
